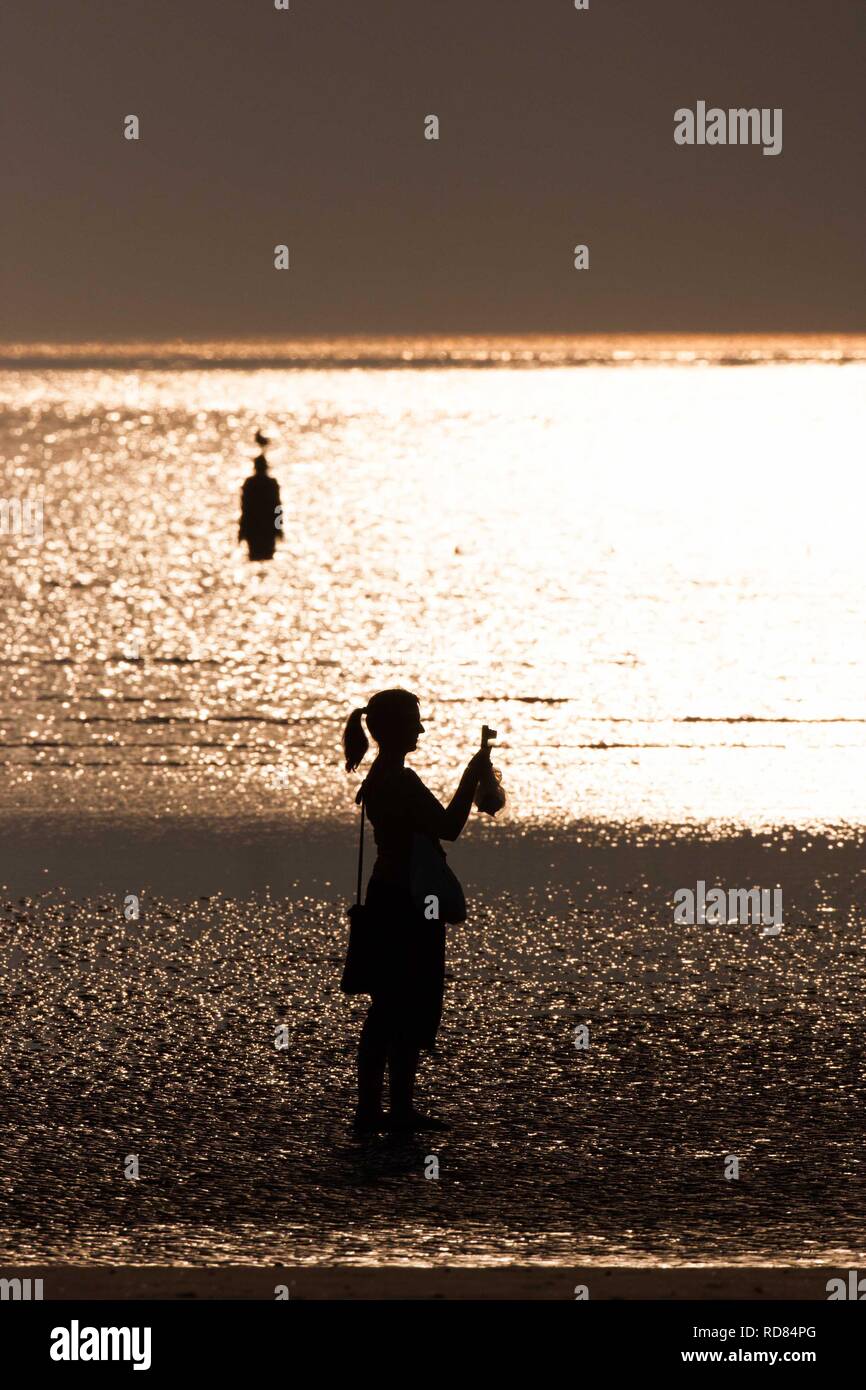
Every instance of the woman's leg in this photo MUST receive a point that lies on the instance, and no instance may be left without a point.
(402, 1070)
(403, 1053)
(372, 1053)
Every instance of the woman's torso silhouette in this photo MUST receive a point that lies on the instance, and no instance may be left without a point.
(399, 807)
(412, 974)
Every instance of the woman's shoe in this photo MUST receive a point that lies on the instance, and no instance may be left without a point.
(405, 1123)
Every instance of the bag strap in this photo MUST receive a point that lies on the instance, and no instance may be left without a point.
(360, 798)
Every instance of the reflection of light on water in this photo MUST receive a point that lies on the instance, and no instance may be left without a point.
(649, 580)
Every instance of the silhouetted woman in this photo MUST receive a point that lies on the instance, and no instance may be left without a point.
(407, 1002)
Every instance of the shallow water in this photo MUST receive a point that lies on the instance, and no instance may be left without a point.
(650, 579)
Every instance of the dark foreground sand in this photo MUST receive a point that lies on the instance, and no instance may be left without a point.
(153, 1043)
(149, 1282)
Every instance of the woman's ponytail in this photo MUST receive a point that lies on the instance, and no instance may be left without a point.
(355, 741)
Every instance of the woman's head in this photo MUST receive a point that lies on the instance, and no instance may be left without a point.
(393, 720)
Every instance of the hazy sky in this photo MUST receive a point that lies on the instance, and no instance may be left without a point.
(306, 127)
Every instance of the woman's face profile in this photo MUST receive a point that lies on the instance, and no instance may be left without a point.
(402, 731)
(414, 731)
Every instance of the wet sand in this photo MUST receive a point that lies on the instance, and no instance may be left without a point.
(184, 857)
(156, 1039)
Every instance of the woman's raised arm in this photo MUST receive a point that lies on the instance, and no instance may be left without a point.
(446, 822)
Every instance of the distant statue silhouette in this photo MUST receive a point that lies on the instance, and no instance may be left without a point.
(261, 512)
(410, 897)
